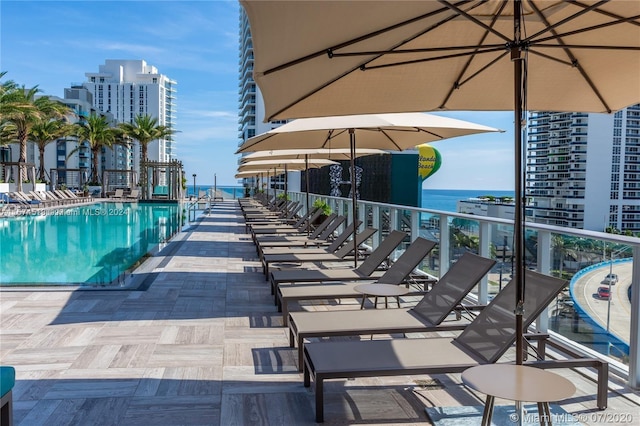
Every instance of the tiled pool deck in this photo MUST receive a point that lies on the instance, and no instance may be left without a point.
(204, 345)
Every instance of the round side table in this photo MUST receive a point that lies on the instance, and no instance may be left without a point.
(381, 290)
(517, 383)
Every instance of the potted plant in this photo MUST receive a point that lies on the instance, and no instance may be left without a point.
(326, 210)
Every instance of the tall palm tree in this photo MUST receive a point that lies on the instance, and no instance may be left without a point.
(98, 133)
(22, 108)
(145, 129)
(43, 133)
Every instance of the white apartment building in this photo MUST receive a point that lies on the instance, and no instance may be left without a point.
(126, 88)
(69, 153)
(251, 112)
(583, 170)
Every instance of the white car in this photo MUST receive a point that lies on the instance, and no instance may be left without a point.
(610, 279)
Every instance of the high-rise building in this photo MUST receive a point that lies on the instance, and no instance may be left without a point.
(126, 88)
(251, 111)
(583, 170)
(70, 157)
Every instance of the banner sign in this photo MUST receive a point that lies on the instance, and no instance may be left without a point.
(429, 160)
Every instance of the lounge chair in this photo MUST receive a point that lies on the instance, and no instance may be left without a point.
(73, 195)
(339, 255)
(62, 195)
(368, 270)
(303, 236)
(318, 239)
(286, 216)
(286, 230)
(118, 194)
(24, 199)
(133, 195)
(436, 305)
(302, 246)
(484, 341)
(35, 195)
(396, 275)
(302, 221)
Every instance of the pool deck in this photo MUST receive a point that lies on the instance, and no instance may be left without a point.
(204, 345)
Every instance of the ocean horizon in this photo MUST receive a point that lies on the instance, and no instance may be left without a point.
(433, 199)
(446, 199)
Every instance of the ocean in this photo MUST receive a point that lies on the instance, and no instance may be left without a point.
(434, 199)
(445, 199)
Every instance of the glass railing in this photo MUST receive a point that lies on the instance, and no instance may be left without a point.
(593, 313)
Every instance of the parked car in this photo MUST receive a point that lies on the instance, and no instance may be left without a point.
(610, 279)
(603, 293)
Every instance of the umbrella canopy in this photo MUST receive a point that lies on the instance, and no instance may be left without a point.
(252, 173)
(284, 164)
(428, 55)
(394, 132)
(469, 55)
(397, 132)
(330, 154)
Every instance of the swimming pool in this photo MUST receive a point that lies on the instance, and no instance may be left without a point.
(82, 245)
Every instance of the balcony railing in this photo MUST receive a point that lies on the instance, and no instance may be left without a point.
(553, 250)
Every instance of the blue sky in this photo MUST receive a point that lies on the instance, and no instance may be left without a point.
(53, 43)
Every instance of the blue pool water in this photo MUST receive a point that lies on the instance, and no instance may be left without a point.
(82, 245)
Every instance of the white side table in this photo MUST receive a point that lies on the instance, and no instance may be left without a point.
(517, 383)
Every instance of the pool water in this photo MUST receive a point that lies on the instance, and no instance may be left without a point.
(82, 245)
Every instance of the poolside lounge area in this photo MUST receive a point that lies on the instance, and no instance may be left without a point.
(204, 345)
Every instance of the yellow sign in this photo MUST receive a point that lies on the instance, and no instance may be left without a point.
(429, 160)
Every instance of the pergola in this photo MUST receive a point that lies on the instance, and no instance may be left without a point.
(161, 180)
(9, 174)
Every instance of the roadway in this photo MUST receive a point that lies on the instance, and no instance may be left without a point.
(585, 294)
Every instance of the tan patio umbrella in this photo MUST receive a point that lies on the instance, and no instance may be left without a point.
(330, 154)
(379, 131)
(284, 165)
(466, 55)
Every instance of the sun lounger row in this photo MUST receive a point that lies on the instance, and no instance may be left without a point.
(48, 198)
(484, 333)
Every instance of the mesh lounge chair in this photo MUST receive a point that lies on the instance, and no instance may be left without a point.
(318, 231)
(279, 229)
(436, 305)
(338, 255)
(366, 271)
(299, 229)
(396, 274)
(318, 238)
(310, 247)
(287, 217)
(484, 341)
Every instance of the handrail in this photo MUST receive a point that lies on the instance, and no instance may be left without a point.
(541, 253)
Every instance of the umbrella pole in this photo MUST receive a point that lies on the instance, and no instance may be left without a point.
(306, 178)
(286, 181)
(354, 198)
(518, 229)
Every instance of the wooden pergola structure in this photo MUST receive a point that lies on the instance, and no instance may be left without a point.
(161, 181)
(9, 174)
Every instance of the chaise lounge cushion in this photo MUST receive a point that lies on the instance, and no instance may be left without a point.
(7, 379)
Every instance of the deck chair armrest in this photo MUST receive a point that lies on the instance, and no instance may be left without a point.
(461, 309)
(541, 339)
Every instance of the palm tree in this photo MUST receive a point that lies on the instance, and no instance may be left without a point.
(98, 133)
(43, 133)
(20, 109)
(145, 129)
